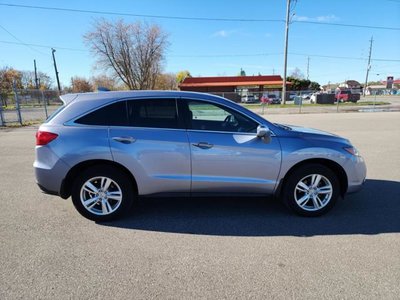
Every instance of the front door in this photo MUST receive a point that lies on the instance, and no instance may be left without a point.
(226, 154)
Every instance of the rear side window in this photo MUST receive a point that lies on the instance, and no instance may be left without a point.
(111, 115)
(155, 113)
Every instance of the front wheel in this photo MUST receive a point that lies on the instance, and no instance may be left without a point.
(311, 190)
(102, 193)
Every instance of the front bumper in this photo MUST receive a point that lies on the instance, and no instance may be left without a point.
(357, 174)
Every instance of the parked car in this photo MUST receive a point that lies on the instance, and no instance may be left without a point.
(306, 96)
(270, 99)
(107, 149)
(274, 99)
(346, 96)
(249, 99)
(292, 95)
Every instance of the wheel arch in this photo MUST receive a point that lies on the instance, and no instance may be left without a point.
(334, 166)
(66, 186)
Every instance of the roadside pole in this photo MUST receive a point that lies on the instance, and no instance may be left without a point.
(17, 107)
(2, 122)
(45, 105)
(337, 105)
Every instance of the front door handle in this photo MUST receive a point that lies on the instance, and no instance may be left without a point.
(124, 139)
(203, 145)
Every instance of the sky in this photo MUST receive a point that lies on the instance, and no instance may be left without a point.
(215, 47)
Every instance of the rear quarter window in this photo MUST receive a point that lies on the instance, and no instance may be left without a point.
(110, 115)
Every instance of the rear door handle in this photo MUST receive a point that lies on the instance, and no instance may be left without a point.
(203, 145)
(124, 139)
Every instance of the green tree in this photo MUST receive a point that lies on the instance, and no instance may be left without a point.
(181, 75)
(314, 86)
(9, 77)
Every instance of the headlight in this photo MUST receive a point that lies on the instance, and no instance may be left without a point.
(352, 150)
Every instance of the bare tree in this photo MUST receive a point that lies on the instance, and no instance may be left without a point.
(28, 80)
(104, 81)
(80, 85)
(134, 52)
(166, 81)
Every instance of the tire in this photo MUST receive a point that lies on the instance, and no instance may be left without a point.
(308, 198)
(102, 193)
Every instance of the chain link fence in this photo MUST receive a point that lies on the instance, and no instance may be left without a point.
(22, 107)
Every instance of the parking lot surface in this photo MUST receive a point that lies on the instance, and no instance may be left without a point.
(207, 248)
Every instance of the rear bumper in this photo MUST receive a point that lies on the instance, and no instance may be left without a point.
(50, 174)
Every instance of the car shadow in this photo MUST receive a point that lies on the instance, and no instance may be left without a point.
(373, 210)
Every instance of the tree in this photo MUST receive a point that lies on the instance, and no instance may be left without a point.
(296, 73)
(105, 82)
(80, 85)
(166, 81)
(315, 86)
(9, 77)
(134, 52)
(28, 80)
(242, 72)
(181, 75)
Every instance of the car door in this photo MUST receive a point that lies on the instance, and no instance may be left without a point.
(153, 146)
(226, 154)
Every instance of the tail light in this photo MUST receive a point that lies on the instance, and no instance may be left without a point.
(44, 137)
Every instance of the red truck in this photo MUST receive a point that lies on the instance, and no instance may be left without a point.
(346, 96)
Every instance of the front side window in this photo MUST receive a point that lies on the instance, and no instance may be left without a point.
(213, 117)
(154, 113)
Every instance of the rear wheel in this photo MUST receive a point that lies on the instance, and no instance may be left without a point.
(102, 193)
(311, 190)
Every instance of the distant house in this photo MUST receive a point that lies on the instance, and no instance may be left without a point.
(352, 85)
(233, 87)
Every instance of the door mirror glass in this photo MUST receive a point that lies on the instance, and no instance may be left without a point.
(264, 133)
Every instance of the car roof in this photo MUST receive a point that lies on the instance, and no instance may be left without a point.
(68, 98)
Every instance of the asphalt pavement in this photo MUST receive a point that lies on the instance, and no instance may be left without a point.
(207, 248)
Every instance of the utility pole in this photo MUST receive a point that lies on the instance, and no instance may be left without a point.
(369, 64)
(285, 52)
(36, 78)
(308, 67)
(55, 68)
(273, 71)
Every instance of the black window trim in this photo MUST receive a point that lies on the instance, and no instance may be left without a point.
(181, 122)
(185, 99)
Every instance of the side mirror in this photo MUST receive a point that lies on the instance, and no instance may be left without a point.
(264, 133)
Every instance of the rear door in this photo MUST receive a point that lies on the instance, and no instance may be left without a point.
(153, 146)
(226, 154)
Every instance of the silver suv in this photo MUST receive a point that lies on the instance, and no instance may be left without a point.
(106, 149)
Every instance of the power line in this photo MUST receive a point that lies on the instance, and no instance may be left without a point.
(214, 55)
(20, 41)
(192, 18)
(348, 25)
(44, 46)
(138, 15)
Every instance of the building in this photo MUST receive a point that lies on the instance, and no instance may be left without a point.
(234, 87)
(352, 85)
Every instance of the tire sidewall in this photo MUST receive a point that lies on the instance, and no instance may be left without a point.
(300, 173)
(107, 171)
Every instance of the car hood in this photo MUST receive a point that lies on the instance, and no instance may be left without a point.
(313, 133)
